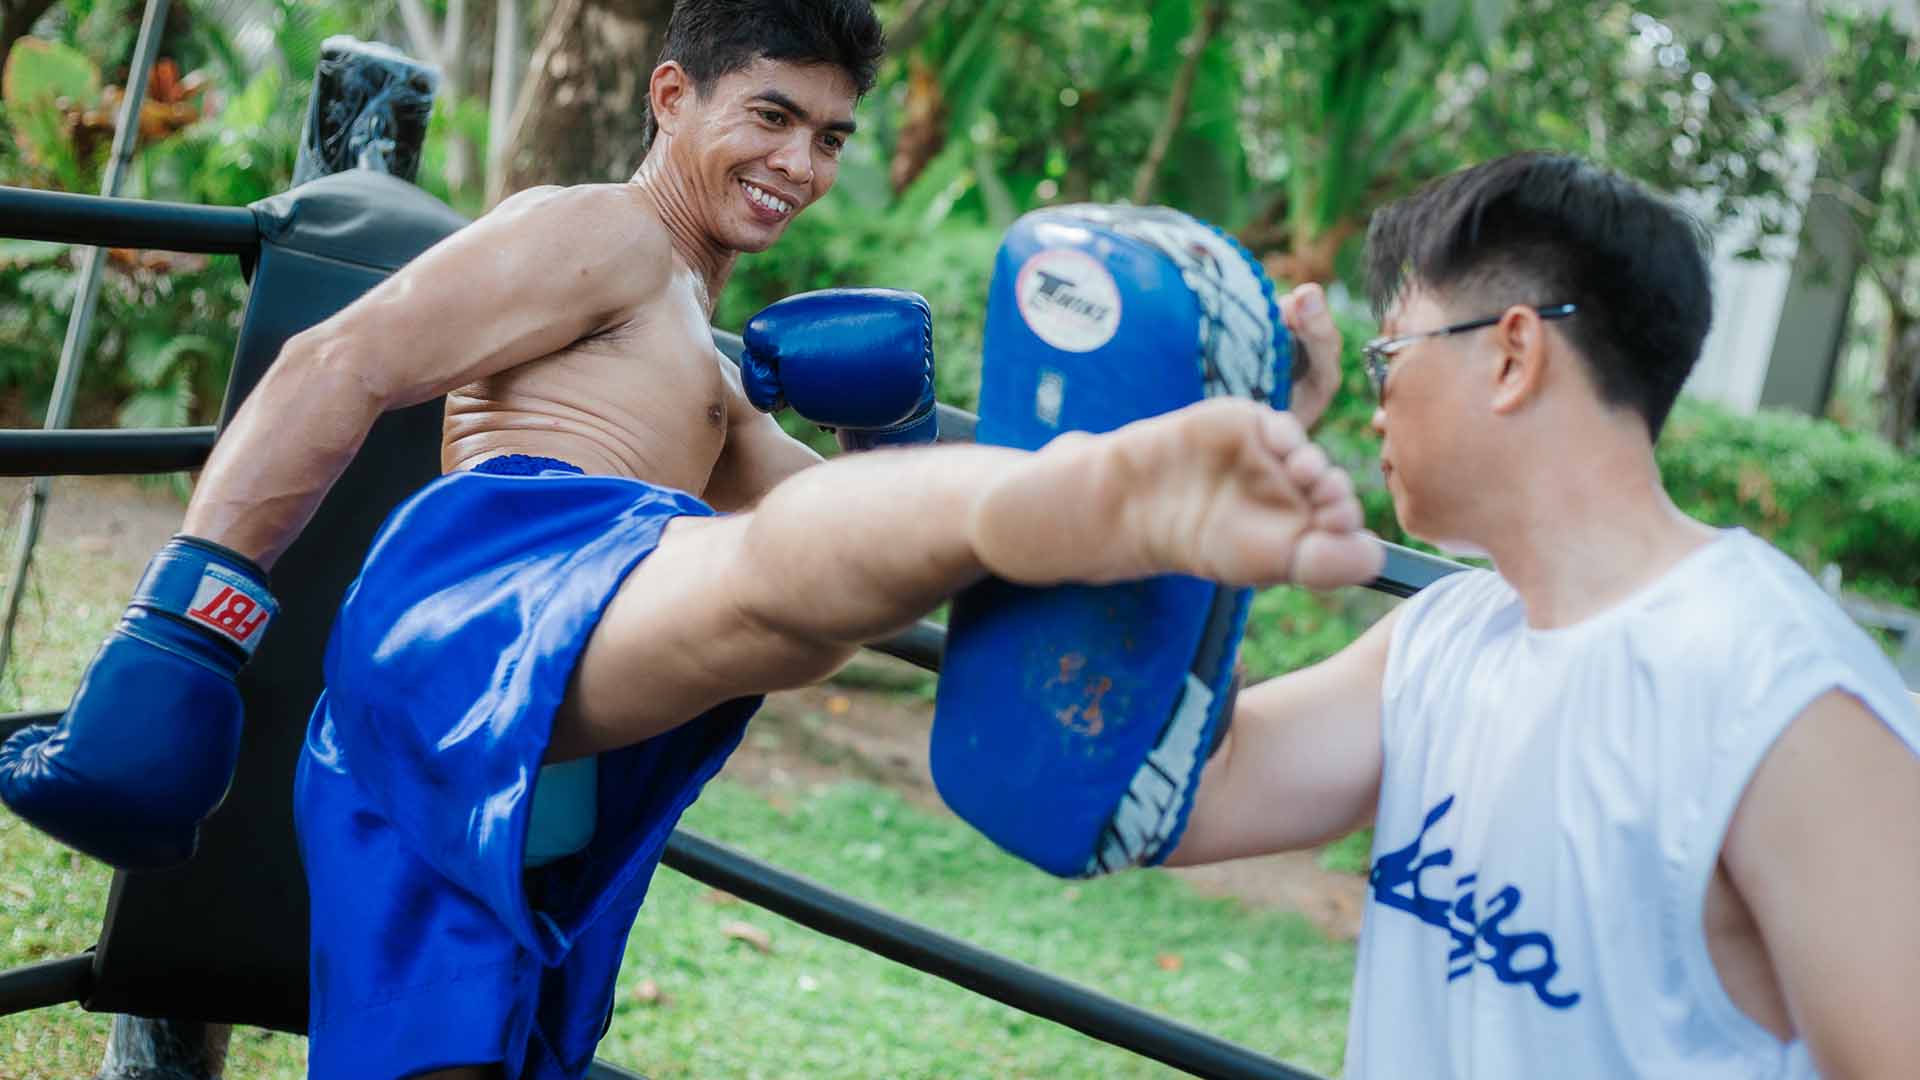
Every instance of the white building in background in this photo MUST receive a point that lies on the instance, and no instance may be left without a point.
(1779, 322)
(1748, 299)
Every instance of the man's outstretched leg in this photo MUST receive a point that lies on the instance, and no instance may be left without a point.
(855, 549)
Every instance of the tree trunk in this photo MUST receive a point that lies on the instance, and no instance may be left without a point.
(16, 20)
(582, 115)
(143, 1049)
(1077, 185)
(1196, 44)
(1311, 259)
(923, 134)
(503, 87)
(1903, 377)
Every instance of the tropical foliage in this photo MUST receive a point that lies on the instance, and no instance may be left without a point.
(1286, 121)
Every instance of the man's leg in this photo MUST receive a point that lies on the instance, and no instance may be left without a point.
(854, 549)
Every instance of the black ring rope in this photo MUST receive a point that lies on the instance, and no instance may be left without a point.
(988, 974)
(100, 221)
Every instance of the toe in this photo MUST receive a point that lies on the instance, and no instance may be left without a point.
(1307, 465)
(1282, 433)
(1323, 560)
(1339, 517)
(1333, 486)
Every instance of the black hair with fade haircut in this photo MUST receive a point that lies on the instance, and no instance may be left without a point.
(714, 38)
(1545, 229)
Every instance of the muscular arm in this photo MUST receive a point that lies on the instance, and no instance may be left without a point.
(1301, 764)
(1822, 850)
(543, 270)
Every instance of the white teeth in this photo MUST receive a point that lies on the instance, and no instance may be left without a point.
(767, 199)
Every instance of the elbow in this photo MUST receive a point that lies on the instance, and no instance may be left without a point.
(339, 366)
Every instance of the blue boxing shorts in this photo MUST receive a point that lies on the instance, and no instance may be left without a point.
(433, 942)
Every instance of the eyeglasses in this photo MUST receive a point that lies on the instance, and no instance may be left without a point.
(1381, 349)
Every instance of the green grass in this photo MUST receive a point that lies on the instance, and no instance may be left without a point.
(813, 1006)
(816, 1007)
(71, 600)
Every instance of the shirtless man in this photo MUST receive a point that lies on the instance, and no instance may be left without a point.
(567, 591)
(1643, 798)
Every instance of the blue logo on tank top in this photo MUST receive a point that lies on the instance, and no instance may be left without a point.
(1478, 934)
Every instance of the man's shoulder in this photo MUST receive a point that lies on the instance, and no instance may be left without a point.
(601, 240)
(616, 215)
(1753, 615)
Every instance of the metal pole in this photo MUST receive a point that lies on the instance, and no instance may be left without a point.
(80, 320)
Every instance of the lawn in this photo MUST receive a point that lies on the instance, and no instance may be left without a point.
(713, 987)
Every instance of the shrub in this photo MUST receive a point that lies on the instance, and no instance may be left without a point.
(1819, 492)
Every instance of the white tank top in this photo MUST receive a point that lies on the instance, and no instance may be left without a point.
(1552, 807)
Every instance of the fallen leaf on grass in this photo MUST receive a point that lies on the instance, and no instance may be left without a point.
(649, 993)
(749, 933)
(1168, 961)
(839, 704)
(719, 897)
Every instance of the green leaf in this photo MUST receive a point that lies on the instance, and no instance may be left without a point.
(1440, 18)
(20, 253)
(41, 72)
(54, 288)
(163, 407)
(255, 105)
(1489, 16)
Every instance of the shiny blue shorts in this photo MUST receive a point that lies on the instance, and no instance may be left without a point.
(432, 944)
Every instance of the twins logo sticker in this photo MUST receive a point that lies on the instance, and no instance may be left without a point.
(1068, 299)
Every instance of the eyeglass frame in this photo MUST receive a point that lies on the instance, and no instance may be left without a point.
(1382, 349)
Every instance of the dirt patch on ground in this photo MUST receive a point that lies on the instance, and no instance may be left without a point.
(801, 740)
(102, 515)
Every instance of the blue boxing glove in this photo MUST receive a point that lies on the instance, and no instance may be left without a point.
(859, 361)
(1073, 722)
(147, 748)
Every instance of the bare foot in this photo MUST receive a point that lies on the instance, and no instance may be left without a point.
(1227, 490)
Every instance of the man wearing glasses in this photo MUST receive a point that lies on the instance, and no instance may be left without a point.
(1643, 798)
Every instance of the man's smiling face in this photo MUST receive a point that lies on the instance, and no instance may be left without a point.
(760, 145)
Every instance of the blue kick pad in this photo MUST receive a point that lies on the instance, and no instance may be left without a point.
(433, 945)
(1073, 721)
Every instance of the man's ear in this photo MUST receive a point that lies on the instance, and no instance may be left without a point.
(669, 90)
(1521, 373)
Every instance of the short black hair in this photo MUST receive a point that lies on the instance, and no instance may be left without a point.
(1540, 229)
(712, 38)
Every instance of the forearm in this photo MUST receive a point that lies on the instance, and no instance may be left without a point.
(281, 453)
(758, 458)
